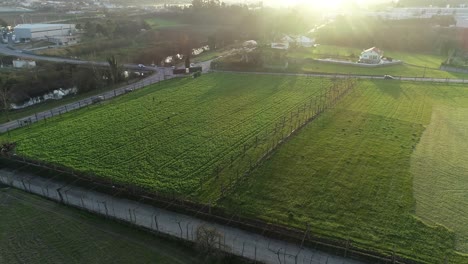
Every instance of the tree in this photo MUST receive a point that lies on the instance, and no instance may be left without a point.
(5, 94)
(3, 23)
(114, 70)
(208, 239)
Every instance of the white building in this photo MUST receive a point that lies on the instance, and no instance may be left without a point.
(280, 45)
(23, 63)
(25, 32)
(371, 56)
(305, 42)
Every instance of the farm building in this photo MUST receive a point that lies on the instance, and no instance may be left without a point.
(26, 32)
(371, 56)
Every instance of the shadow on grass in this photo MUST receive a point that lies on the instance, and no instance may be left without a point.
(390, 87)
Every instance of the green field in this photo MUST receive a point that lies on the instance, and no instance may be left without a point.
(36, 230)
(369, 170)
(416, 64)
(158, 23)
(385, 168)
(171, 137)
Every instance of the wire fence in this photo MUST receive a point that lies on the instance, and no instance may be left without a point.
(238, 165)
(224, 236)
(235, 169)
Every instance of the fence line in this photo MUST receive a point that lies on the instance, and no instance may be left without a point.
(260, 148)
(237, 168)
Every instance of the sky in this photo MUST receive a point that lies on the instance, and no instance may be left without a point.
(328, 4)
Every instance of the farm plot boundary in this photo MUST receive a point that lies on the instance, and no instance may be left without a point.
(209, 212)
(202, 211)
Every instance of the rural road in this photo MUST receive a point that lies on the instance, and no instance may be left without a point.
(232, 240)
(26, 55)
(161, 73)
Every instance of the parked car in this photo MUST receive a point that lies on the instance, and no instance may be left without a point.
(98, 99)
(127, 90)
(389, 77)
(141, 66)
(192, 65)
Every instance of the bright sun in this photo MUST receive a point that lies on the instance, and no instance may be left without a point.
(327, 4)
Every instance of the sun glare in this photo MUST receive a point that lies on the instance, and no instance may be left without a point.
(325, 4)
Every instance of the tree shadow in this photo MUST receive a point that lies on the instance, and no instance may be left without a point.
(390, 87)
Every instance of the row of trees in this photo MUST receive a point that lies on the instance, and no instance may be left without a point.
(114, 28)
(20, 86)
(419, 35)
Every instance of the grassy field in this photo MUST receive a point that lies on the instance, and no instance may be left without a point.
(171, 137)
(440, 170)
(35, 230)
(416, 65)
(158, 23)
(385, 168)
(390, 155)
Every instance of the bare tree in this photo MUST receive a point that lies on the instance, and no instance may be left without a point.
(208, 239)
(114, 69)
(6, 95)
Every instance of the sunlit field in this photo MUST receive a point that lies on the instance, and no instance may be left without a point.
(168, 138)
(385, 168)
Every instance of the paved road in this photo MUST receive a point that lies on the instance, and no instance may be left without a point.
(232, 240)
(370, 77)
(157, 74)
(26, 55)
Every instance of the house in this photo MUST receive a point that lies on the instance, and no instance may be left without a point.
(287, 39)
(23, 63)
(250, 44)
(280, 45)
(304, 42)
(371, 56)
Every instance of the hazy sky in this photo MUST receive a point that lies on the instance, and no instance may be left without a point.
(320, 3)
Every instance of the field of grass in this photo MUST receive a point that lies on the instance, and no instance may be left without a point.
(416, 65)
(371, 169)
(440, 169)
(169, 137)
(384, 169)
(158, 23)
(36, 230)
